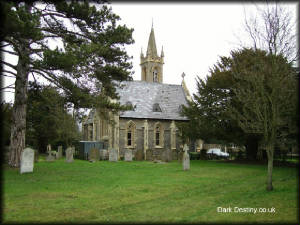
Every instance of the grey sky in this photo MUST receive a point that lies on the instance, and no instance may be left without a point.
(193, 35)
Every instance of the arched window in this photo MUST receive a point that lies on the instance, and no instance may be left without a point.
(155, 75)
(158, 135)
(156, 107)
(130, 134)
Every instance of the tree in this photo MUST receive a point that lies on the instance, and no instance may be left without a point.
(6, 111)
(273, 30)
(265, 97)
(48, 120)
(208, 112)
(90, 58)
(251, 95)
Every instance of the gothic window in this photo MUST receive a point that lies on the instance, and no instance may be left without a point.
(158, 135)
(91, 132)
(130, 134)
(156, 107)
(97, 130)
(155, 76)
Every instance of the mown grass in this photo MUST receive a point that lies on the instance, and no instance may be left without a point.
(120, 192)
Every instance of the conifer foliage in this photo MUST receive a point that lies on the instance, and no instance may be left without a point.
(88, 59)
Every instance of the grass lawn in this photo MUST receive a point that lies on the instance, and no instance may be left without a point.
(142, 191)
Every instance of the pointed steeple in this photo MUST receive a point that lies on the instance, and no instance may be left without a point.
(151, 50)
(162, 54)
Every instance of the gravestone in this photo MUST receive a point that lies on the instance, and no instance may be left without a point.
(139, 155)
(94, 155)
(69, 154)
(149, 154)
(27, 161)
(59, 152)
(128, 155)
(50, 157)
(103, 154)
(186, 158)
(166, 155)
(113, 155)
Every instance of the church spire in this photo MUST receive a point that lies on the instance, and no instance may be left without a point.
(151, 50)
(152, 64)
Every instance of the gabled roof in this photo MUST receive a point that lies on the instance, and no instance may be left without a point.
(143, 95)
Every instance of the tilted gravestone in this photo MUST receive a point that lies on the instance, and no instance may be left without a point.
(103, 154)
(186, 158)
(69, 154)
(27, 161)
(113, 155)
(59, 152)
(94, 155)
(128, 155)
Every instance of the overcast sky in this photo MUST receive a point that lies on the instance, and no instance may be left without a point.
(193, 35)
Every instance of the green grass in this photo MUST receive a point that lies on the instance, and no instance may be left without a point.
(139, 191)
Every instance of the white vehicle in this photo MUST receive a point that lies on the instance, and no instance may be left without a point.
(218, 152)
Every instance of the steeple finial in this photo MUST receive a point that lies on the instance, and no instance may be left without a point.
(151, 50)
(162, 52)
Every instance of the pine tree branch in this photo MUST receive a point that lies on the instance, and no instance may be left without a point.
(10, 72)
(9, 52)
(8, 64)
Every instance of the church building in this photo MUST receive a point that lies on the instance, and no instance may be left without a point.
(150, 127)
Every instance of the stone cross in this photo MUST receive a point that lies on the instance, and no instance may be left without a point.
(69, 154)
(128, 155)
(113, 155)
(50, 157)
(27, 161)
(186, 158)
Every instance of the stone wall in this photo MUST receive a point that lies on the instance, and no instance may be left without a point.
(139, 137)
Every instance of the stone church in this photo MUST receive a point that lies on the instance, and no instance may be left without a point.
(150, 127)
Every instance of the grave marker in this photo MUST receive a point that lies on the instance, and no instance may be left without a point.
(27, 161)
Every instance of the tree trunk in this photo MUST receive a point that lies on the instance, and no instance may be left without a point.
(270, 153)
(251, 147)
(18, 126)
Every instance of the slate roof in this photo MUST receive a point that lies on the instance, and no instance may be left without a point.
(143, 95)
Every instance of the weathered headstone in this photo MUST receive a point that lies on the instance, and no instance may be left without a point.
(59, 152)
(186, 158)
(149, 154)
(94, 155)
(128, 155)
(69, 154)
(139, 155)
(166, 155)
(113, 155)
(27, 161)
(103, 154)
(50, 157)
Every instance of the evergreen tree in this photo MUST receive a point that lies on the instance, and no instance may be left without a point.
(249, 95)
(90, 58)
